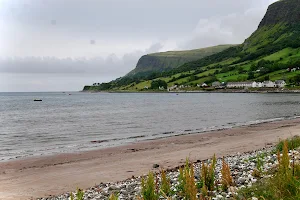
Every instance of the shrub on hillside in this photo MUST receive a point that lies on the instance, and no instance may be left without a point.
(156, 84)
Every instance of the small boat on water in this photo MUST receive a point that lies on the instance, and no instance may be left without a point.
(37, 100)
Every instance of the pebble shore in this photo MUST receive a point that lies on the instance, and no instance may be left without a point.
(241, 165)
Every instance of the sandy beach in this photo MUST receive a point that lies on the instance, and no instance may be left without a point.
(32, 178)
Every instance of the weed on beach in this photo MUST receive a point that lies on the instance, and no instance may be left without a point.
(113, 197)
(227, 179)
(79, 195)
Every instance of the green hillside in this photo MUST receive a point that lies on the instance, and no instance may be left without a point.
(265, 55)
(165, 61)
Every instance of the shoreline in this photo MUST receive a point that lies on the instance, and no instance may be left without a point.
(56, 174)
(198, 91)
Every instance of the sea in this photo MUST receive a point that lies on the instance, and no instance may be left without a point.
(76, 121)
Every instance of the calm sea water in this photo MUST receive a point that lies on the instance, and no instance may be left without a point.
(83, 121)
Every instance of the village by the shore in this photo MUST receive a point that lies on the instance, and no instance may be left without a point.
(278, 84)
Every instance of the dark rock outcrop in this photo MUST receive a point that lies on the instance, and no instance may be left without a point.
(284, 11)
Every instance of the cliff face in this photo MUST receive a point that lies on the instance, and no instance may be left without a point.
(279, 28)
(165, 61)
(284, 11)
(162, 62)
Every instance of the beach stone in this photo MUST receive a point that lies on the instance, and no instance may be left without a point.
(155, 166)
(232, 189)
(113, 188)
(124, 192)
(197, 176)
(241, 180)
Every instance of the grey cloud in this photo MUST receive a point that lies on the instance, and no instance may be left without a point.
(109, 66)
(58, 34)
(154, 48)
(233, 28)
(119, 17)
(12, 82)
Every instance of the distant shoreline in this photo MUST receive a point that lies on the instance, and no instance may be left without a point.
(197, 91)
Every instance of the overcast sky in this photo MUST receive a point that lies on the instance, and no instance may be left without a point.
(61, 45)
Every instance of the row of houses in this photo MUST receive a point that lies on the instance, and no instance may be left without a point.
(254, 84)
(249, 84)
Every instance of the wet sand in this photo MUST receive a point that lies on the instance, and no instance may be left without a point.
(53, 175)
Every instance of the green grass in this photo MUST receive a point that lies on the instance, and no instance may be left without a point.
(292, 143)
(199, 81)
(206, 73)
(224, 62)
(264, 36)
(234, 78)
(284, 53)
(195, 53)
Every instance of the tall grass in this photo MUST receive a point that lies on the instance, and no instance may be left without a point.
(227, 179)
(79, 195)
(113, 197)
(208, 174)
(187, 187)
(149, 188)
(165, 187)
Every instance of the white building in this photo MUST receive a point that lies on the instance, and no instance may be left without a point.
(266, 84)
(269, 84)
(241, 84)
(259, 85)
(280, 83)
(174, 87)
(202, 85)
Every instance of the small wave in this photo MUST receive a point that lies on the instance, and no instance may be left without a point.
(135, 137)
(99, 141)
(168, 133)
